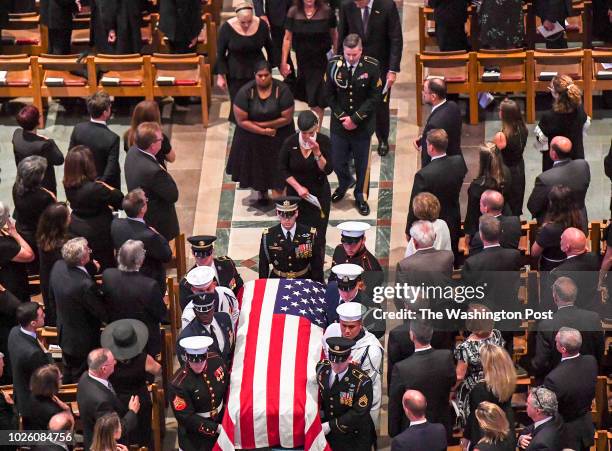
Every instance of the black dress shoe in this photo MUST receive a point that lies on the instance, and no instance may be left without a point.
(337, 196)
(363, 207)
(383, 148)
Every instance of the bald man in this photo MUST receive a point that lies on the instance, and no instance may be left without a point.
(575, 174)
(420, 435)
(582, 267)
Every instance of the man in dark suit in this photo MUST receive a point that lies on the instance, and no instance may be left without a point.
(25, 351)
(96, 397)
(416, 373)
(181, 22)
(353, 88)
(274, 13)
(573, 381)
(575, 174)
(134, 227)
(80, 308)
(492, 203)
(378, 24)
(450, 17)
(445, 115)
(443, 178)
(545, 432)
(421, 435)
(549, 12)
(103, 143)
(143, 171)
(582, 267)
(59, 21)
(567, 315)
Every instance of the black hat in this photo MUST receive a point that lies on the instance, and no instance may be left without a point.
(203, 302)
(126, 338)
(202, 245)
(306, 120)
(339, 348)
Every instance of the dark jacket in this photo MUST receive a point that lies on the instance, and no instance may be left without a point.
(180, 20)
(416, 373)
(59, 14)
(584, 270)
(26, 144)
(39, 412)
(447, 117)
(135, 296)
(510, 234)
(274, 10)
(80, 309)
(158, 251)
(196, 328)
(104, 145)
(546, 437)
(553, 10)
(95, 400)
(143, 171)
(421, 437)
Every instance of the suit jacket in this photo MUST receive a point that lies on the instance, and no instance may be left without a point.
(104, 145)
(584, 270)
(180, 20)
(26, 355)
(416, 373)
(59, 14)
(157, 249)
(275, 10)
(573, 381)
(443, 177)
(421, 437)
(195, 328)
(587, 322)
(143, 171)
(146, 302)
(546, 437)
(26, 144)
(95, 400)
(510, 234)
(38, 413)
(80, 309)
(447, 117)
(553, 10)
(433, 260)
(383, 38)
(575, 174)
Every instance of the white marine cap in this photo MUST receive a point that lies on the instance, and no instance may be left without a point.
(347, 271)
(200, 276)
(197, 345)
(350, 311)
(353, 229)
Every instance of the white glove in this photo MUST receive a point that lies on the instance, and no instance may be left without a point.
(326, 428)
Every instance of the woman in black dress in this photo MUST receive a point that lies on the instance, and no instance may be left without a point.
(148, 111)
(51, 235)
(305, 163)
(511, 141)
(26, 143)
(567, 118)
(238, 49)
(30, 199)
(14, 253)
(126, 339)
(92, 203)
(492, 174)
(496, 386)
(310, 28)
(497, 429)
(43, 402)
(264, 119)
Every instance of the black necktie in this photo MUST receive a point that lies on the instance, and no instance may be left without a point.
(366, 19)
(213, 335)
(289, 237)
(336, 380)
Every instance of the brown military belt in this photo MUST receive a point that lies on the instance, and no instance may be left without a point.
(291, 274)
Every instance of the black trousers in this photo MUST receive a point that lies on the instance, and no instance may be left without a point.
(59, 41)
(382, 113)
(73, 368)
(180, 47)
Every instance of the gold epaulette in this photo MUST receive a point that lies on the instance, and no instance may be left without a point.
(369, 59)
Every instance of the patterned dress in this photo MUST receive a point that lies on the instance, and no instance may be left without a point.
(501, 24)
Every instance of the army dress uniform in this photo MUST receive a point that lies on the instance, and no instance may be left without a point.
(353, 92)
(298, 259)
(197, 399)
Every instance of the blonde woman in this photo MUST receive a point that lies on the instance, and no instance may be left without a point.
(497, 433)
(496, 386)
(106, 433)
(427, 207)
(567, 118)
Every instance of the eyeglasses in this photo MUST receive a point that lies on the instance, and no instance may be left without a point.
(534, 392)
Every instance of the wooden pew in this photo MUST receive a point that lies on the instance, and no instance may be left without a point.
(124, 75)
(179, 256)
(578, 29)
(21, 78)
(174, 309)
(595, 74)
(24, 34)
(158, 414)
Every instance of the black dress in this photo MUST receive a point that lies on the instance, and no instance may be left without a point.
(311, 42)
(506, 445)
(237, 55)
(513, 159)
(563, 124)
(166, 148)
(28, 209)
(306, 171)
(129, 379)
(253, 159)
(472, 430)
(13, 275)
(123, 16)
(92, 216)
(549, 239)
(46, 261)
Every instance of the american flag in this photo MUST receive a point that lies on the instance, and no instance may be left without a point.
(273, 393)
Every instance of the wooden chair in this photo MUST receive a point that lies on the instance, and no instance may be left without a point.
(21, 78)
(597, 77)
(167, 358)
(544, 64)
(179, 256)
(24, 34)
(602, 441)
(80, 30)
(181, 76)
(427, 29)
(174, 309)
(601, 401)
(213, 7)
(577, 30)
(454, 67)
(124, 75)
(158, 416)
(512, 66)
